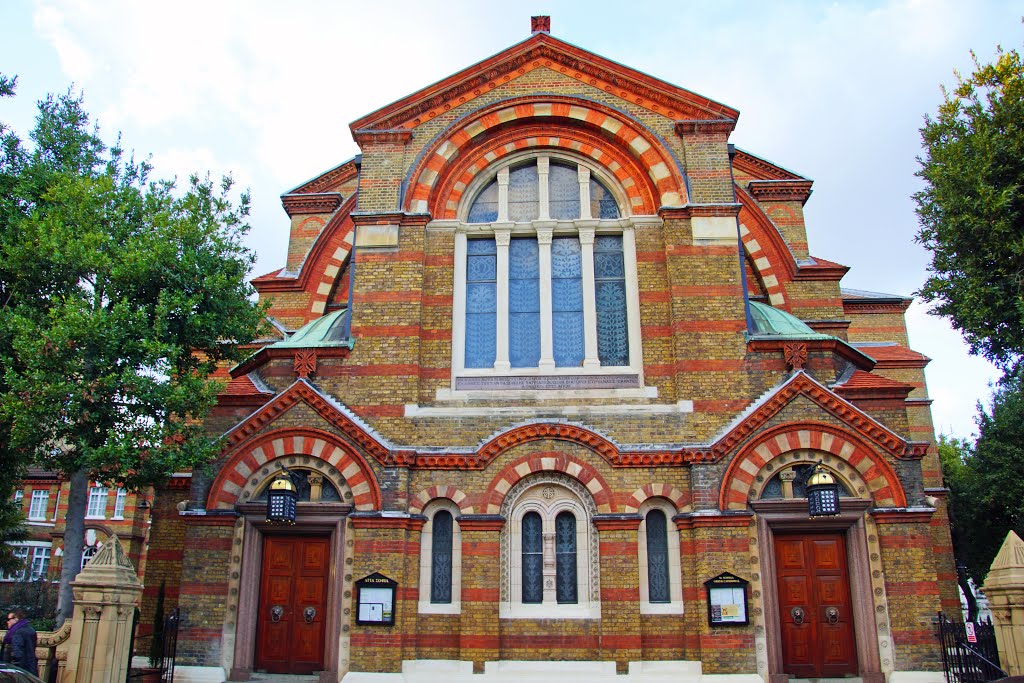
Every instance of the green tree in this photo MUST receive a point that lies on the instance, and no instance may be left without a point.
(11, 463)
(971, 209)
(116, 295)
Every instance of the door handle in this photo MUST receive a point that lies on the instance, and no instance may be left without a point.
(798, 615)
(832, 615)
(309, 614)
(276, 612)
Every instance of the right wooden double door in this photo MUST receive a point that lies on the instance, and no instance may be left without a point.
(814, 605)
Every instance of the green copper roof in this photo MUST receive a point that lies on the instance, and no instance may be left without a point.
(327, 330)
(770, 321)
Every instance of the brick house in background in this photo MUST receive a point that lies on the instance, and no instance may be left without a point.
(550, 354)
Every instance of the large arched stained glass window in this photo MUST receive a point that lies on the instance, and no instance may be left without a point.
(657, 557)
(565, 558)
(441, 559)
(533, 559)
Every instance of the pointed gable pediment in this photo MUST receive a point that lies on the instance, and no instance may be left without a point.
(800, 384)
(538, 52)
(335, 413)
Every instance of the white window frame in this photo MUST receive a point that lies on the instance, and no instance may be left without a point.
(119, 500)
(95, 494)
(675, 580)
(545, 229)
(39, 505)
(29, 552)
(39, 567)
(19, 497)
(426, 559)
(534, 500)
(89, 552)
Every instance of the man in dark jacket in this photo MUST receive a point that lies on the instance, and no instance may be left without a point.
(20, 641)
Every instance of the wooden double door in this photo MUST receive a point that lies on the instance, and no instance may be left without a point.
(293, 604)
(814, 605)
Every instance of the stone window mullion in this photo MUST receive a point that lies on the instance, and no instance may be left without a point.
(590, 358)
(503, 195)
(502, 237)
(544, 208)
(584, 176)
(547, 353)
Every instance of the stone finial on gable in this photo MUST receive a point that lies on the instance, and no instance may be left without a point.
(541, 24)
(1011, 554)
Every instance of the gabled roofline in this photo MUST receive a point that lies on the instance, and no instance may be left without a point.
(392, 115)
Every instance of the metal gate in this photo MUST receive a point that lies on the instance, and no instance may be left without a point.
(162, 655)
(969, 657)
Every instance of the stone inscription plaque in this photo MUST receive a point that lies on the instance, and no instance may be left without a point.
(548, 382)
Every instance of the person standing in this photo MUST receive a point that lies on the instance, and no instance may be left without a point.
(20, 641)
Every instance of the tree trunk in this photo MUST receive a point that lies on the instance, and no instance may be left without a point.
(74, 540)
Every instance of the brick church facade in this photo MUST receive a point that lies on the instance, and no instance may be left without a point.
(549, 356)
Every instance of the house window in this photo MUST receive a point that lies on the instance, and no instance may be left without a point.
(550, 548)
(89, 552)
(546, 279)
(40, 566)
(35, 558)
(440, 559)
(661, 589)
(119, 500)
(97, 508)
(37, 508)
(19, 496)
(21, 554)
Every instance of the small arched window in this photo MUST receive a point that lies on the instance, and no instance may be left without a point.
(440, 583)
(533, 559)
(657, 557)
(565, 558)
(661, 580)
(441, 559)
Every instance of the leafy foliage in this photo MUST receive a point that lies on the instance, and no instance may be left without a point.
(116, 295)
(986, 479)
(972, 208)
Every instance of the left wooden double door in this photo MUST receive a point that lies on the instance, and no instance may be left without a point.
(290, 628)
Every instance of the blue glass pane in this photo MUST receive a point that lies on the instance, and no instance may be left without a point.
(523, 193)
(566, 257)
(485, 206)
(523, 296)
(602, 203)
(441, 559)
(608, 243)
(565, 558)
(563, 192)
(483, 267)
(533, 559)
(481, 246)
(612, 324)
(567, 295)
(481, 297)
(524, 340)
(481, 334)
(657, 557)
(523, 258)
(609, 264)
(568, 339)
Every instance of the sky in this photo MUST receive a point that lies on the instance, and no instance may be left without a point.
(836, 92)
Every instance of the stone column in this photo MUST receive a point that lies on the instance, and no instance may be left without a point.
(1004, 588)
(106, 593)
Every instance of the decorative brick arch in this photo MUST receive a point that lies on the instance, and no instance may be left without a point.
(680, 500)
(772, 259)
(327, 257)
(244, 465)
(420, 500)
(547, 430)
(553, 461)
(624, 147)
(879, 477)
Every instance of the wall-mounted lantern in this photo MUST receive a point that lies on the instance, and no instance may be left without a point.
(281, 500)
(822, 493)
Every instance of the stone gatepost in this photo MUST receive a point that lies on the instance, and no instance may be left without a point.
(106, 592)
(1004, 588)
